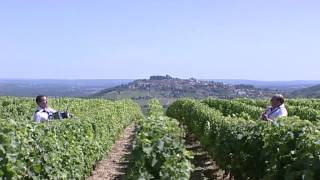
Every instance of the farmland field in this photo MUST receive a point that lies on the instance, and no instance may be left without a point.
(230, 131)
(64, 149)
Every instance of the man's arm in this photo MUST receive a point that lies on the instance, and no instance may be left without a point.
(264, 115)
(51, 110)
(265, 118)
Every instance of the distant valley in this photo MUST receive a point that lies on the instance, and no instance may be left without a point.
(55, 88)
(165, 88)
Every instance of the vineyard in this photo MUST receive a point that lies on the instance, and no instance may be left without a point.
(230, 131)
(65, 149)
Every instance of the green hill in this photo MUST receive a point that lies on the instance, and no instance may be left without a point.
(167, 89)
(311, 92)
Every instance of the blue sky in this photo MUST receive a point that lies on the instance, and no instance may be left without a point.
(244, 39)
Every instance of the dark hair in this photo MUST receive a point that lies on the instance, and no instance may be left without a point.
(279, 98)
(38, 98)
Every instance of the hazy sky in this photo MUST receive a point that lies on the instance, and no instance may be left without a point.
(256, 39)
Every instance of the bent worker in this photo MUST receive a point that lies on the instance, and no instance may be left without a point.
(276, 110)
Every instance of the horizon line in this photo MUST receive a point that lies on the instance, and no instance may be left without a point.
(130, 79)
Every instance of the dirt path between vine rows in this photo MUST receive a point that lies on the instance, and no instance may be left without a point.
(115, 164)
(205, 167)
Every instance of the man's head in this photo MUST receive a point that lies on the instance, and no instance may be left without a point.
(42, 101)
(277, 100)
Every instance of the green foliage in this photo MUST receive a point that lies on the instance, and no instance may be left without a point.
(234, 108)
(252, 149)
(155, 108)
(311, 103)
(304, 109)
(306, 113)
(65, 149)
(230, 131)
(263, 103)
(159, 151)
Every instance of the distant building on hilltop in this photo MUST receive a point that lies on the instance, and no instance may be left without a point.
(160, 77)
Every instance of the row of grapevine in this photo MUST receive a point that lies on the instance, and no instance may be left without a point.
(304, 113)
(234, 108)
(254, 149)
(16, 108)
(65, 149)
(249, 108)
(310, 103)
(263, 103)
(159, 151)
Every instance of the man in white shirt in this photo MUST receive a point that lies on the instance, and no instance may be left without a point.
(277, 109)
(43, 112)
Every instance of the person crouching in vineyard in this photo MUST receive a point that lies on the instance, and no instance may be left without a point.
(277, 109)
(44, 113)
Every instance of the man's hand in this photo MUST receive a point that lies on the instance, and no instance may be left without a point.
(264, 117)
(71, 115)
